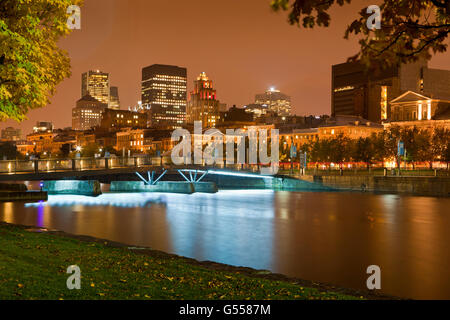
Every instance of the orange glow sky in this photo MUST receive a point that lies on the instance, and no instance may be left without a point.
(241, 45)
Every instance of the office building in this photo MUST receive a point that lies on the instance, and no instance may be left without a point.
(87, 114)
(203, 104)
(257, 110)
(42, 126)
(11, 134)
(164, 95)
(275, 101)
(114, 101)
(96, 84)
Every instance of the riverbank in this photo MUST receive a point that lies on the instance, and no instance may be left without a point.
(418, 186)
(34, 264)
(19, 192)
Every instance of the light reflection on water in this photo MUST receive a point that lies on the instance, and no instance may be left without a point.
(108, 199)
(327, 237)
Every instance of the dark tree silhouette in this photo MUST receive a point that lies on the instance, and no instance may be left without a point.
(409, 29)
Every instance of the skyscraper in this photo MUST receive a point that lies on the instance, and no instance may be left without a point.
(164, 93)
(96, 84)
(275, 101)
(203, 105)
(114, 101)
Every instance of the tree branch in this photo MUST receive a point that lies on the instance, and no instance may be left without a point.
(426, 44)
(424, 26)
(380, 52)
(439, 4)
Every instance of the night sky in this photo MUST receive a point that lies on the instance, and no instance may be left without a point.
(242, 45)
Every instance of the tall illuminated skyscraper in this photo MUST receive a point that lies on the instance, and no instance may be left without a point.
(164, 93)
(203, 105)
(96, 84)
(275, 101)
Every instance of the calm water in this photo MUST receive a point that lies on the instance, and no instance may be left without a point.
(326, 237)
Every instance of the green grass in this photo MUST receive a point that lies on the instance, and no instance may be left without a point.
(33, 266)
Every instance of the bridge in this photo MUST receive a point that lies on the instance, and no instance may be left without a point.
(149, 170)
(107, 169)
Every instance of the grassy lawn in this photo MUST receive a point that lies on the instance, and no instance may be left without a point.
(33, 266)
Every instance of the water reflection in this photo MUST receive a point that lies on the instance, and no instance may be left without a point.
(198, 223)
(108, 199)
(327, 237)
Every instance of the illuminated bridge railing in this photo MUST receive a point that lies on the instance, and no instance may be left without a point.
(77, 164)
(86, 164)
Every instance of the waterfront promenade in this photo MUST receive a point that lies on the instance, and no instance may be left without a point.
(422, 182)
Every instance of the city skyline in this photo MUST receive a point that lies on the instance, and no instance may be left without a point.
(252, 60)
(205, 152)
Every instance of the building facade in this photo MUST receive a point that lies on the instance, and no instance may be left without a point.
(114, 120)
(87, 114)
(147, 141)
(42, 126)
(275, 101)
(96, 84)
(349, 126)
(41, 141)
(298, 137)
(11, 134)
(131, 140)
(48, 143)
(164, 95)
(258, 110)
(203, 104)
(114, 101)
(412, 106)
(235, 114)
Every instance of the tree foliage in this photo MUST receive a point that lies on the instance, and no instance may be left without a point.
(421, 146)
(333, 150)
(440, 147)
(90, 150)
(8, 151)
(364, 150)
(31, 64)
(410, 29)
